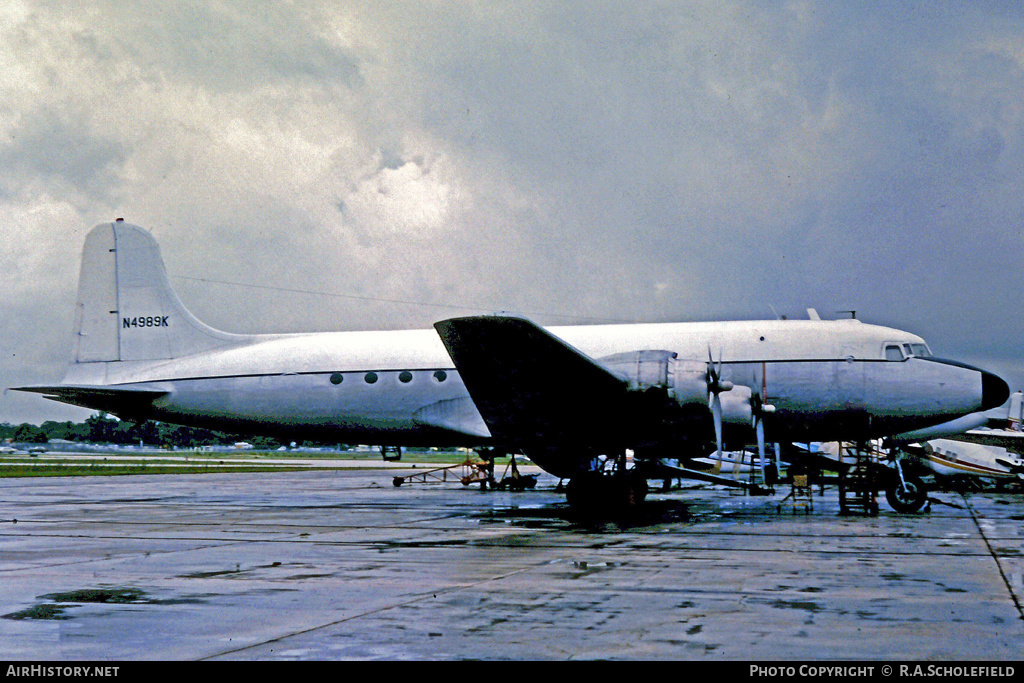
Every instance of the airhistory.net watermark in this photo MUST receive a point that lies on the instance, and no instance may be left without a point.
(57, 671)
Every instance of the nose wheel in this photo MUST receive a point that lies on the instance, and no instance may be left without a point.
(907, 494)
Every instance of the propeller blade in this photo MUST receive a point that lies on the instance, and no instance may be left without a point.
(759, 428)
(759, 409)
(715, 387)
(716, 412)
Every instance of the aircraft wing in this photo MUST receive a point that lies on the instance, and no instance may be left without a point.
(530, 386)
(664, 471)
(1009, 439)
(126, 402)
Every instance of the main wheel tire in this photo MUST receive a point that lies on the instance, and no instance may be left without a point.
(592, 492)
(583, 491)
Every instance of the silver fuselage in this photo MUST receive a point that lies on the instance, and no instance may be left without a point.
(826, 379)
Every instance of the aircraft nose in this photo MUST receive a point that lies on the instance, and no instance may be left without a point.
(994, 391)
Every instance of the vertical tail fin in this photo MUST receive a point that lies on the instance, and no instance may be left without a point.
(1015, 411)
(126, 308)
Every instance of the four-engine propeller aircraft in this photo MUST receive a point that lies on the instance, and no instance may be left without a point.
(573, 399)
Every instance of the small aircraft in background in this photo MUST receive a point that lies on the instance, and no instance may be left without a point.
(961, 460)
(736, 462)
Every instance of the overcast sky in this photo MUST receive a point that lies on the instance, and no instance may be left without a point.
(383, 165)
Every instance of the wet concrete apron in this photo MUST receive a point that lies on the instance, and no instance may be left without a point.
(333, 565)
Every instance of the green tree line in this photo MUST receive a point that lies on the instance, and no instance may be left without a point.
(101, 428)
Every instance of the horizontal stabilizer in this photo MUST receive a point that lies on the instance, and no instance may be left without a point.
(124, 402)
(530, 386)
(1014, 467)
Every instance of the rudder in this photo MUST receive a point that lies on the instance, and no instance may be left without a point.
(126, 308)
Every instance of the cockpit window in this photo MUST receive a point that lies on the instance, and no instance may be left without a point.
(893, 352)
(901, 351)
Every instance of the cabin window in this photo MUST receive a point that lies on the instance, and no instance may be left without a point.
(405, 377)
(921, 350)
(893, 352)
(440, 375)
(336, 378)
(371, 377)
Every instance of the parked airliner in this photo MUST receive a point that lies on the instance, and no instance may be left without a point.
(573, 399)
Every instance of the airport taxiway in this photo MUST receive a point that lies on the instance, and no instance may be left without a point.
(341, 564)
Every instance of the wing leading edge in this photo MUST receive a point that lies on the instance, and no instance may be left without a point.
(532, 388)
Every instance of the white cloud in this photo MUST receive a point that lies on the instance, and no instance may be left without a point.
(417, 200)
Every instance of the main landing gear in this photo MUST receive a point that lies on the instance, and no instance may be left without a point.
(609, 486)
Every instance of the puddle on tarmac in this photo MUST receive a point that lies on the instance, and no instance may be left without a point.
(563, 518)
(59, 603)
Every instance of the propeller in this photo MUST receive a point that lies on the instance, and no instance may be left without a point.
(758, 409)
(756, 399)
(716, 385)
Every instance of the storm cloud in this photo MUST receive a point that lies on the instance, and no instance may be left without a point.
(354, 165)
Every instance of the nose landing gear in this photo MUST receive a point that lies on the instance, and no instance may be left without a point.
(905, 492)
